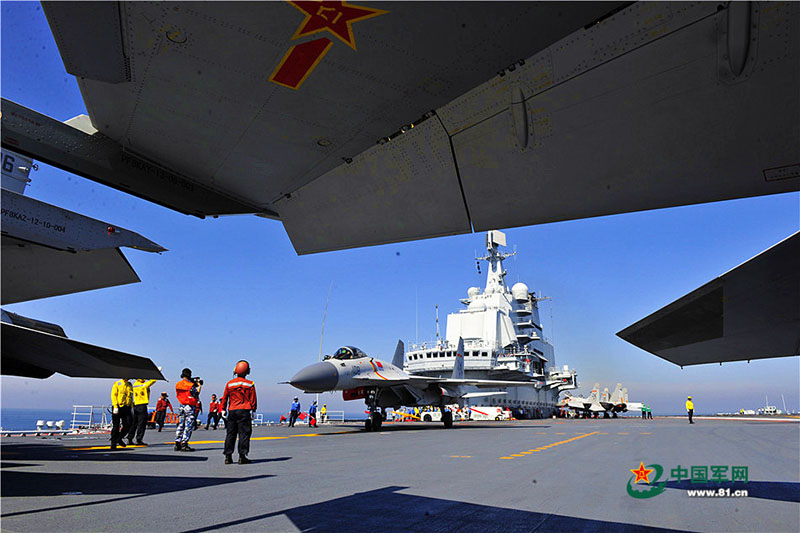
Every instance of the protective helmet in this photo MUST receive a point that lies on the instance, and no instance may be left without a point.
(242, 368)
(186, 373)
(690, 397)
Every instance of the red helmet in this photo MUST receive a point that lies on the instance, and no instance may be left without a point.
(242, 368)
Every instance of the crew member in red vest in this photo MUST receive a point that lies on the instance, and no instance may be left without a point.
(239, 399)
(213, 412)
(161, 410)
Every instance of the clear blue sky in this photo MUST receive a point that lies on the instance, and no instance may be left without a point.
(234, 288)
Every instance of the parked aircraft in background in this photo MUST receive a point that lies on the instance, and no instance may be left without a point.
(597, 403)
(383, 385)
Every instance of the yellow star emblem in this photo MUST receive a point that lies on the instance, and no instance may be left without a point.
(642, 473)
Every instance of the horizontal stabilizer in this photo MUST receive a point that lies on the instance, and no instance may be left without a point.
(751, 312)
(27, 352)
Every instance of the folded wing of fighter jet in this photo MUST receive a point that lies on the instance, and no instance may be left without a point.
(750, 312)
(50, 251)
(365, 124)
(36, 349)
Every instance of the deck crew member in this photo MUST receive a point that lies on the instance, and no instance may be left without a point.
(312, 415)
(295, 412)
(690, 408)
(141, 399)
(213, 412)
(323, 413)
(121, 401)
(187, 390)
(239, 399)
(161, 410)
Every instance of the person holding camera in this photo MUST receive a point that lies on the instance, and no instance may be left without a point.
(187, 391)
(239, 399)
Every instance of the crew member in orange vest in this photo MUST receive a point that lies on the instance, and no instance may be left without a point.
(239, 399)
(187, 391)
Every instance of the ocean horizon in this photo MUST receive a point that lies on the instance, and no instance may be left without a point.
(23, 418)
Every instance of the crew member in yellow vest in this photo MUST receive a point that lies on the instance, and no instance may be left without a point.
(141, 397)
(323, 413)
(121, 401)
(690, 409)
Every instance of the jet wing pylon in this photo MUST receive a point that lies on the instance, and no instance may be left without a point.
(50, 251)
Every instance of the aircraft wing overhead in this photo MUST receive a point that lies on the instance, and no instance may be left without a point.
(751, 312)
(418, 119)
(41, 352)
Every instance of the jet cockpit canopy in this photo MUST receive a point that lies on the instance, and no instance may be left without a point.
(349, 352)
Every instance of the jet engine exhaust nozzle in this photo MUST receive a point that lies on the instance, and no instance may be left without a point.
(319, 377)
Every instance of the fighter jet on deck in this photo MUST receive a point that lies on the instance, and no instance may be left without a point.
(585, 407)
(384, 385)
(598, 403)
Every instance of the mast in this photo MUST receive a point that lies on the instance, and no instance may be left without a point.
(495, 276)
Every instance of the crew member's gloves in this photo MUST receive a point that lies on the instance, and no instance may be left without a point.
(115, 410)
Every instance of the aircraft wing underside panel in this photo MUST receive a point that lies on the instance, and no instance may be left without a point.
(751, 312)
(663, 124)
(30, 353)
(31, 271)
(644, 111)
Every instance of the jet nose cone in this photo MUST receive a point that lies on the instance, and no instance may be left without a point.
(319, 377)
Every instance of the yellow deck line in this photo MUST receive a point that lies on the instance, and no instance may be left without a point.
(513, 455)
(222, 441)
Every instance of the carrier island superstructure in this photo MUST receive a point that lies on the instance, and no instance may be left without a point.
(503, 339)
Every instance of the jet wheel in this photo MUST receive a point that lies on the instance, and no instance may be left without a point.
(377, 420)
(447, 418)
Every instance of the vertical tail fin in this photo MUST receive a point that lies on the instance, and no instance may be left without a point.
(399, 354)
(605, 394)
(617, 398)
(593, 397)
(458, 365)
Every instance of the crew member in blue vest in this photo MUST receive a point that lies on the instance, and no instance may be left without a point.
(295, 412)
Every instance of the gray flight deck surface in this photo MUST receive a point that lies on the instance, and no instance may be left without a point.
(409, 476)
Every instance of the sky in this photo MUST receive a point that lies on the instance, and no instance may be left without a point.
(233, 287)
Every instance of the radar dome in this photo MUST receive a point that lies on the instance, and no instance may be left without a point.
(520, 292)
(472, 292)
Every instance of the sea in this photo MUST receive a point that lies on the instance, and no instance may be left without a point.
(21, 419)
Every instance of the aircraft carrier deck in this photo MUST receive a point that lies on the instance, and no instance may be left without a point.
(480, 476)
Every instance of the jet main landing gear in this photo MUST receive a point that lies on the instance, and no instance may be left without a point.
(375, 419)
(447, 418)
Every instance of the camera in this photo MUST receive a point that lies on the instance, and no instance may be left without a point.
(197, 380)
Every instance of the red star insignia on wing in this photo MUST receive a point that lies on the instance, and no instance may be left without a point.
(335, 16)
(642, 473)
